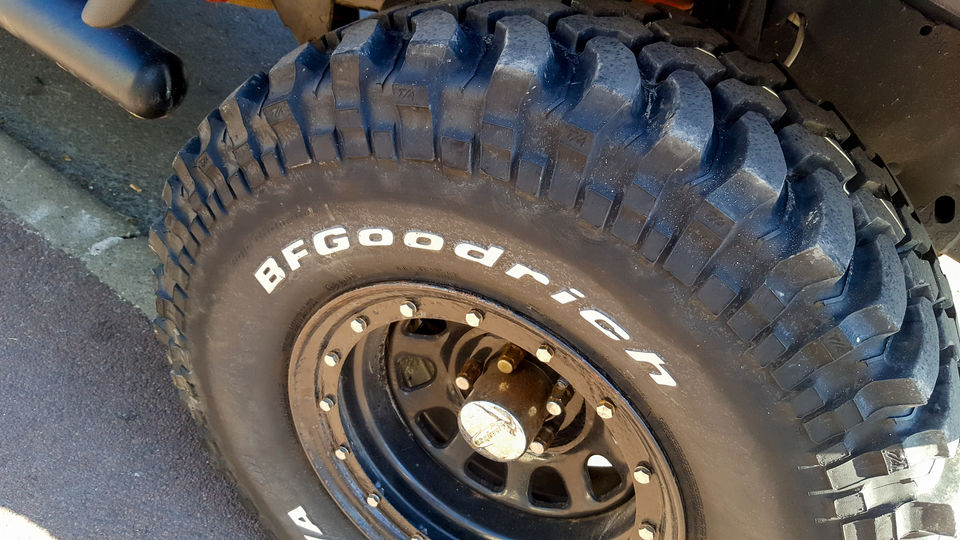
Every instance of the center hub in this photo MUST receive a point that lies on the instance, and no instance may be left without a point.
(506, 408)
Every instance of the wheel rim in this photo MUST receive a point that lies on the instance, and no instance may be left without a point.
(374, 399)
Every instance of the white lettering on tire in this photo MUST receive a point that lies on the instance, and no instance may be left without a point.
(331, 241)
(335, 239)
(269, 274)
(423, 240)
(299, 516)
(472, 252)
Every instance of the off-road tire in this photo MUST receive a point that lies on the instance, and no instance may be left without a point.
(788, 252)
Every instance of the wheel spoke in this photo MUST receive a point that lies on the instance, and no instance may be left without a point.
(518, 479)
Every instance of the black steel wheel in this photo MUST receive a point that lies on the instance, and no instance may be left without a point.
(367, 248)
(597, 472)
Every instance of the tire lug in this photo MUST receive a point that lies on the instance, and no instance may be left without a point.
(373, 500)
(642, 473)
(342, 452)
(544, 353)
(327, 403)
(474, 317)
(332, 358)
(559, 397)
(606, 409)
(509, 358)
(359, 324)
(408, 309)
(472, 369)
(647, 531)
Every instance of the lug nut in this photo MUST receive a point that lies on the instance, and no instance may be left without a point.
(559, 397)
(474, 318)
(543, 439)
(509, 358)
(472, 369)
(408, 309)
(332, 358)
(373, 500)
(647, 531)
(326, 403)
(606, 409)
(642, 473)
(544, 353)
(359, 324)
(342, 452)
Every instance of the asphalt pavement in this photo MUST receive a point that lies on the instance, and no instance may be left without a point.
(100, 147)
(93, 441)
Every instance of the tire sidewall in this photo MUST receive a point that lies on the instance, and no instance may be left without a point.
(734, 446)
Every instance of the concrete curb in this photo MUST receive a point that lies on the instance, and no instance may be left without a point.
(73, 221)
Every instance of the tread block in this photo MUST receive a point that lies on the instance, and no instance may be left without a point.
(610, 80)
(598, 201)
(524, 67)
(753, 71)
(456, 152)
(909, 520)
(364, 52)
(871, 176)
(811, 116)
(822, 247)
(615, 8)
(483, 17)
(733, 98)
(749, 179)
(575, 31)
(806, 152)
(875, 217)
(402, 18)
(659, 60)
(684, 35)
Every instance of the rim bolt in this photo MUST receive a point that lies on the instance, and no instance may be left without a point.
(373, 500)
(544, 353)
(472, 369)
(474, 317)
(647, 531)
(642, 473)
(359, 324)
(342, 452)
(327, 403)
(332, 358)
(509, 358)
(606, 409)
(559, 397)
(543, 440)
(408, 309)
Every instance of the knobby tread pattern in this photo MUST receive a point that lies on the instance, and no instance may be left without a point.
(649, 126)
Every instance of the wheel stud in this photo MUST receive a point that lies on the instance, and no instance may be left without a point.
(606, 409)
(474, 317)
(468, 375)
(559, 397)
(544, 353)
(642, 473)
(332, 358)
(359, 324)
(326, 404)
(408, 309)
(342, 452)
(373, 500)
(510, 357)
(543, 440)
(647, 531)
